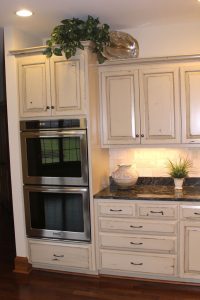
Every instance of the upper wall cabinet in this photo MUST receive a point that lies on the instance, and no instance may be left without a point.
(139, 105)
(54, 86)
(120, 115)
(160, 105)
(34, 86)
(190, 96)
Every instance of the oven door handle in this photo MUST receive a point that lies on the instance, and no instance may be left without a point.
(53, 134)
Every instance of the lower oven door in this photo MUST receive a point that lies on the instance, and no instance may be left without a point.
(57, 212)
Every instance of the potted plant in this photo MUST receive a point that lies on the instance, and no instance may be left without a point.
(67, 37)
(179, 170)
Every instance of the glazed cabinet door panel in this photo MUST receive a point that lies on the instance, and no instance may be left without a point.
(190, 95)
(190, 248)
(34, 86)
(67, 85)
(120, 107)
(160, 105)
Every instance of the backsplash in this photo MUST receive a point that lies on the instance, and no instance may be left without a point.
(152, 162)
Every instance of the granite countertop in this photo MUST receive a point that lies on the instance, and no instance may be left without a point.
(154, 190)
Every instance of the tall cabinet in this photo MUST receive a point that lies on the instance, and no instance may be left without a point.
(52, 88)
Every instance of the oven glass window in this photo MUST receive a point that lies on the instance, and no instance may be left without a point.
(54, 157)
(57, 211)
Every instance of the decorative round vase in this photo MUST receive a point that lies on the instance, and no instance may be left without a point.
(125, 176)
(178, 183)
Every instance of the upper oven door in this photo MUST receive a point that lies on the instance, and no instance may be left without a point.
(55, 157)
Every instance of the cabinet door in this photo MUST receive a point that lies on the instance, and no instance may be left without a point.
(190, 249)
(119, 106)
(34, 86)
(67, 85)
(190, 96)
(160, 105)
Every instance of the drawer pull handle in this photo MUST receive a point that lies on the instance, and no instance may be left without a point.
(55, 259)
(135, 264)
(196, 213)
(132, 226)
(116, 210)
(137, 244)
(58, 256)
(157, 212)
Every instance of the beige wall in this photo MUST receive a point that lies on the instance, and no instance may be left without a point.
(153, 161)
(171, 39)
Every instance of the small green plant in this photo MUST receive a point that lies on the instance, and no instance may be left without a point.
(180, 168)
(67, 37)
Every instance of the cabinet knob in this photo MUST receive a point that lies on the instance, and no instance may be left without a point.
(137, 135)
(48, 107)
(52, 107)
(142, 135)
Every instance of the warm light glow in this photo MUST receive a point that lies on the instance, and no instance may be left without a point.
(24, 13)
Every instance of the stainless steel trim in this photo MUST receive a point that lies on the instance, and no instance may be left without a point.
(64, 235)
(83, 125)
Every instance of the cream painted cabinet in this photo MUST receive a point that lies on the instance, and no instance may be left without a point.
(190, 249)
(140, 105)
(190, 95)
(51, 87)
(120, 116)
(67, 85)
(160, 105)
(190, 241)
(34, 85)
(141, 243)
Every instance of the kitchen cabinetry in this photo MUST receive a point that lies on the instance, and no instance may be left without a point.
(136, 239)
(120, 114)
(51, 87)
(190, 241)
(160, 105)
(60, 256)
(190, 95)
(140, 105)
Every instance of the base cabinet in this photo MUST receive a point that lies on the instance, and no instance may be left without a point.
(157, 239)
(144, 243)
(60, 256)
(138, 263)
(190, 241)
(191, 247)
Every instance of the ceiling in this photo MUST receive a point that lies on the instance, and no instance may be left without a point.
(118, 14)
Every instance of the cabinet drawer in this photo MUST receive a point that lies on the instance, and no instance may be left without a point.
(137, 243)
(192, 212)
(138, 226)
(138, 263)
(115, 209)
(69, 256)
(156, 212)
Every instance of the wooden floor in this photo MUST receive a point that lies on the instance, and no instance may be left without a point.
(52, 286)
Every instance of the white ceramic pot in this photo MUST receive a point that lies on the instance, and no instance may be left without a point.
(125, 176)
(178, 183)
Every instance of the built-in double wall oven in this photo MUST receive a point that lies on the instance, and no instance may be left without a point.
(56, 181)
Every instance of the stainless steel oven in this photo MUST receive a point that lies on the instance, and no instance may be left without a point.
(54, 152)
(55, 174)
(57, 212)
